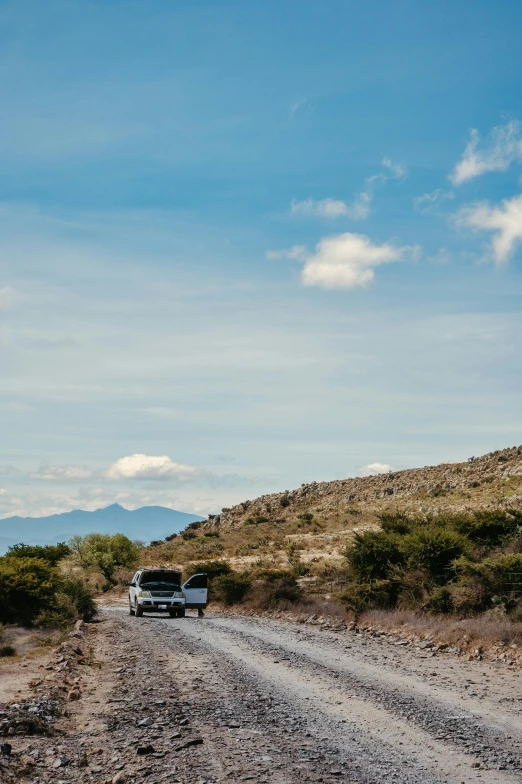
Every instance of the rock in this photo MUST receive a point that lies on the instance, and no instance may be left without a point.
(119, 777)
(73, 695)
(61, 762)
(6, 748)
(148, 722)
(192, 742)
(149, 749)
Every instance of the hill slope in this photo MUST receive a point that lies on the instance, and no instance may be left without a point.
(315, 522)
(147, 523)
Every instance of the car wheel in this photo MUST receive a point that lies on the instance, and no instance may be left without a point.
(138, 610)
(181, 613)
(173, 613)
(131, 608)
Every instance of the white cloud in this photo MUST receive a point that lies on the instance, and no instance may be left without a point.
(505, 221)
(325, 208)
(372, 469)
(398, 170)
(346, 261)
(359, 209)
(430, 202)
(52, 473)
(503, 148)
(150, 467)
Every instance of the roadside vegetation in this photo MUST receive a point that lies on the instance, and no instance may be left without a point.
(55, 585)
(451, 563)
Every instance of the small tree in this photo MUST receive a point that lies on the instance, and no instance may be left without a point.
(105, 553)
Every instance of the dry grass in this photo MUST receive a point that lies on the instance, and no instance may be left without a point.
(484, 630)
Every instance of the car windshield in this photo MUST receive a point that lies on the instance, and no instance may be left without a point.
(161, 580)
(160, 584)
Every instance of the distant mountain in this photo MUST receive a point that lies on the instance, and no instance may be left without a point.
(147, 524)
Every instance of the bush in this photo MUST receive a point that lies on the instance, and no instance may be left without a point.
(307, 517)
(7, 650)
(284, 500)
(434, 550)
(81, 597)
(275, 588)
(363, 596)
(488, 528)
(231, 588)
(372, 555)
(257, 520)
(396, 523)
(212, 569)
(52, 553)
(27, 587)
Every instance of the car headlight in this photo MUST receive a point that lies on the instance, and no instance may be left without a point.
(144, 594)
(177, 595)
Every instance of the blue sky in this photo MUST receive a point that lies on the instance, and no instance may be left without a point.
(249, 245)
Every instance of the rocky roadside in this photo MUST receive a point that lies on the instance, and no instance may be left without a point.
(465, 647)
(157, 710)
(38, 715)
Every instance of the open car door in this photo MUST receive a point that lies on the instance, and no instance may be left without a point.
(195, 590)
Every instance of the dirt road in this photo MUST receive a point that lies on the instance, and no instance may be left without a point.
(268, 701)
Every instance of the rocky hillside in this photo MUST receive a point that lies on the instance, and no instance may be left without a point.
(481, 482)
(313, 524)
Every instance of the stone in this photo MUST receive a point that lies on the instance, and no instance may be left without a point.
(74, 695)
(119, 777)
(148, 722)
(188, 743)
(149, 749)
(61, 762)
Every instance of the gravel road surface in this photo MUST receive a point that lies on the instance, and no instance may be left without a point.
(230, 698)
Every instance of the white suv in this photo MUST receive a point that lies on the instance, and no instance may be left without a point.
(160, 590)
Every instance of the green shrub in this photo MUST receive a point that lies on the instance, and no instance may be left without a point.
(257, 520)
(7, 650)
(378, 594)
(307, 517)
(488, 528)
(284, 500)
(186, 535)
(434, 550)
(231, 588)
(372, 555)
(27, 587)
(413, 588)
(275, 588)
(212, 569)
(396, 522)
(440, 601)
(501, 574)
(81, 598)
(53, 553)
